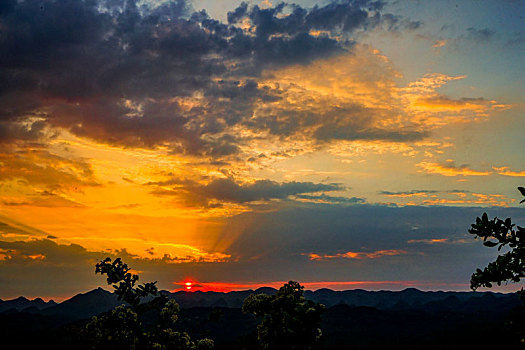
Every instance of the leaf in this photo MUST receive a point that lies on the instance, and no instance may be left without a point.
(522, 190)
(490, 244)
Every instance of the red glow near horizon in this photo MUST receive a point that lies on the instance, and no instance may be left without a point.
(192, 286)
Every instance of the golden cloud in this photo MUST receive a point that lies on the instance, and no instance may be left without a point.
(450, 169)
(505, 170)
(357, 255)
(42, 168)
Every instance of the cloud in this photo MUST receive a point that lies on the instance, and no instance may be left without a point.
(30, 131)
(150, 76)
(407, 194)
(438, 241)
(162, 77)
(479, 35)
(445, 103)
(335, 99)
(323, 198)
(448, 197)
(496, 200)
(228, 190)
(13, 228)
(357, 255)
(429, 241)
(43, 267)
(274, 243)
(36, 266)
(505, 170)
(439, 43)
(46, 250)
(395, 23)
(44, 199)
(46, 170)
(450, 169)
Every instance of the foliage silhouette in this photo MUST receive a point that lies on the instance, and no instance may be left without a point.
(289, 321)
(127, 326)
(508, 267)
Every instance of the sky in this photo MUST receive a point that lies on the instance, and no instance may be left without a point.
(343, 144)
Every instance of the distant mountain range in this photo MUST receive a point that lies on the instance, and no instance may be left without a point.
(24, 304)
(99, 300)
(356, 319)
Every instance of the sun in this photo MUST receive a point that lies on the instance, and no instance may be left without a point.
(188, 285)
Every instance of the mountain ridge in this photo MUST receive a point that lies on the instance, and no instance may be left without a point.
(99, 300)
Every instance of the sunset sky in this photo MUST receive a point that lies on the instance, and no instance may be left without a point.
(343, 144)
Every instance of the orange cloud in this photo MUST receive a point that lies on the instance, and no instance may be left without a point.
(450, 198)
(37, 257)
(439, 43)
(150, 250)
(42, 168)
(426, 106)
(440, 103)
(505, 170)
(450, 169)
(429, 241)
(439, 241)
(16, 254)
(496, 200)
(357, 255)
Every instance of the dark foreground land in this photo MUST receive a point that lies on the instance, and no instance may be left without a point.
(357, 319)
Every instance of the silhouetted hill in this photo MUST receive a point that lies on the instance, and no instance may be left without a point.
(356, 319)
(266, 290)
(99, 300)
(210, 299)
(388, 299)
(22, 303)
(85, 305)
(384, 300)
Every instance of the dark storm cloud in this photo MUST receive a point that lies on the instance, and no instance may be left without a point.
(227, 190)
(115, 71)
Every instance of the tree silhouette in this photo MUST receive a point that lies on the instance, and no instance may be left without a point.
(125, 327)
(508, 267)
(289, 321)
